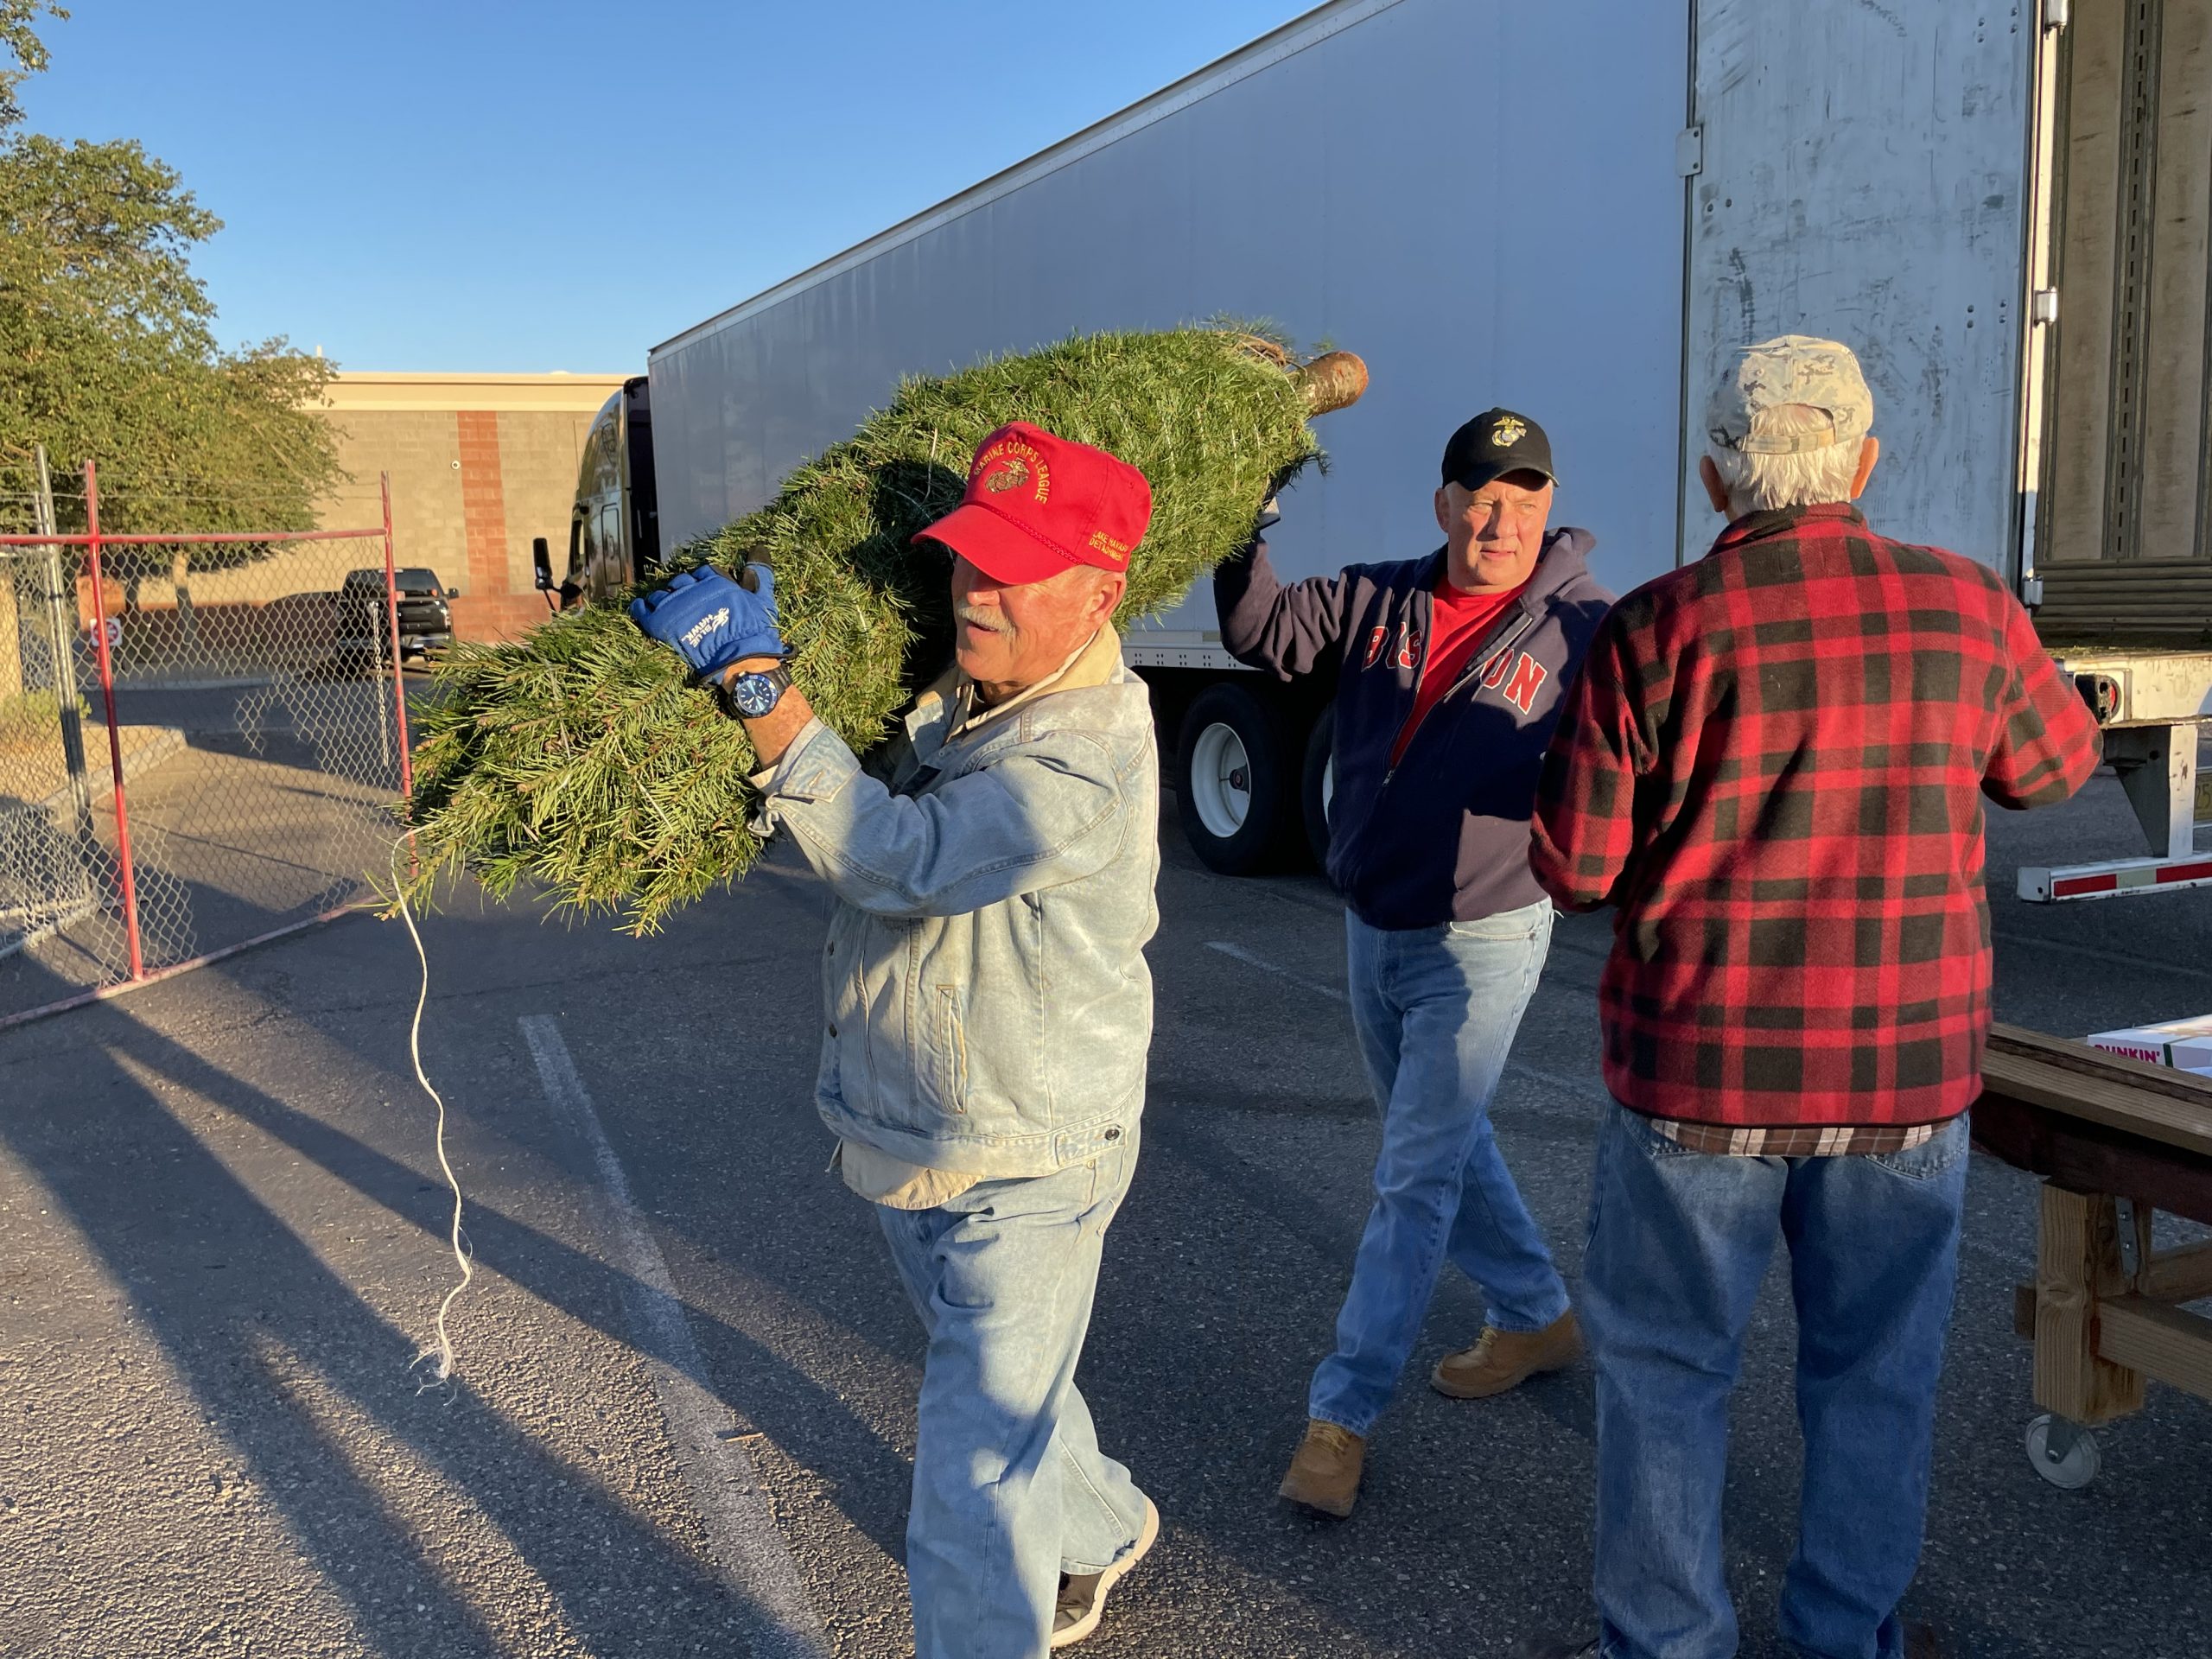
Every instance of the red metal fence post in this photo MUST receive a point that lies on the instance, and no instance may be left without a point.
(392, 619)
(143, 911)
(114, 735)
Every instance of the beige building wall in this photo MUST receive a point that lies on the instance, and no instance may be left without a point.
(480, 464)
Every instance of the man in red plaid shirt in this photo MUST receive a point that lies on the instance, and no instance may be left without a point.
(1773, 765)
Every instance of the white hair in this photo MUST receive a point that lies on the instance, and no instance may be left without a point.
(1761, 483)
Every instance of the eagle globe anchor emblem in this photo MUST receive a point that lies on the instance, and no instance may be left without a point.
(1509, 432)
(1011, 476)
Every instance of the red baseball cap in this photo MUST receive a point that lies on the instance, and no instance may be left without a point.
(1036, 503)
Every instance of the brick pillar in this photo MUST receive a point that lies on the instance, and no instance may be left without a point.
(483, 501)
(481, 610)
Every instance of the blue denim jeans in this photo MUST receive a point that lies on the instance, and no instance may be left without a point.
(1010, 1489)
(1436, 1008)
(1679, 1242)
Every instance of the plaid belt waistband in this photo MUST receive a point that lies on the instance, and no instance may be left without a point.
(1794, 1139)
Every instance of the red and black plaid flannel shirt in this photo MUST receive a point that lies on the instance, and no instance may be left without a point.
(1773, 763)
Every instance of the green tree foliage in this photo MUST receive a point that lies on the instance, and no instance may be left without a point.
(21, 53)
(107, 345)
(582, 758)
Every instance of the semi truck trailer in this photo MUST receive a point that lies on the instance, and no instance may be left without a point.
(1577, 211)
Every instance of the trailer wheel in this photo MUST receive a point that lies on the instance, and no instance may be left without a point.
(1317, 784)
(1235, 788)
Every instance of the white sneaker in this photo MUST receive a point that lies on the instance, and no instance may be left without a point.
(1082, 1599)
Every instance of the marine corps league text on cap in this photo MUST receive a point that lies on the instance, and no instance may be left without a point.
(1496, 442)
(1037, 504)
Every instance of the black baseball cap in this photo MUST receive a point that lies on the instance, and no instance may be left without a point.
(1496, 442)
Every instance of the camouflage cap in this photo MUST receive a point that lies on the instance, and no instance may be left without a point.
(1795, 369)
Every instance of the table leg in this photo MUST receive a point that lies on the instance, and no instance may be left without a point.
(2078, 1261)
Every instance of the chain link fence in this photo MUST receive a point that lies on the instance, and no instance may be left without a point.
(201, 737)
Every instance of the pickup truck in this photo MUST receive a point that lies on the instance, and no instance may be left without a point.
(425, 618)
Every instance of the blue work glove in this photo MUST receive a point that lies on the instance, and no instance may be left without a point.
(711, 621)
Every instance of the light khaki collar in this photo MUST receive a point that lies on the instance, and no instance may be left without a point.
(1092, 663)
(948, 709)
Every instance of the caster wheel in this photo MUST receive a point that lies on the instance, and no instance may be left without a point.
(2062, 1454)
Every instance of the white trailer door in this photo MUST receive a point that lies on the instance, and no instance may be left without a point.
(1860, 173)
(2124, 537)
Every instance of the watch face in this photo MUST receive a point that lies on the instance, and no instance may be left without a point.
(754, 695)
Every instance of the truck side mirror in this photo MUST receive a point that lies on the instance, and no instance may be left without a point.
(453, 593)
(541, 558)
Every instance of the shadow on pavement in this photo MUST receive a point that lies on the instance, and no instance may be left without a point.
(224, 1331)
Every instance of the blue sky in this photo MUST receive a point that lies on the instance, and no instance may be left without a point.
(497, 185)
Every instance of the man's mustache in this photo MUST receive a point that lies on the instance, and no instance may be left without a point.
(982, 618)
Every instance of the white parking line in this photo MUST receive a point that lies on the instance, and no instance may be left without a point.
(2091, 953)
(1588, 1090)
(1250, 959)
(724, 1484)
(1582, 1087)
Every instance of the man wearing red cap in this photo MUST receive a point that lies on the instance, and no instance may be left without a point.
(987, 1010)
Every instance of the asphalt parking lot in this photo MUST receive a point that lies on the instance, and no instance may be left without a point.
(683, 1408)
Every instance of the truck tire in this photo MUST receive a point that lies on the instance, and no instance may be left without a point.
(1237, 783)
(1317, 784)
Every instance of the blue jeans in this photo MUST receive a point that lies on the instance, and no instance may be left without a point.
(1679, 1242)
(1010, 1489)
(1436, 1008)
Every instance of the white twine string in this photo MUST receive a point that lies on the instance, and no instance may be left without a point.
(442, 1353)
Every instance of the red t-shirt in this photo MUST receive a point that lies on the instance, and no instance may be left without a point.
(1462, 622)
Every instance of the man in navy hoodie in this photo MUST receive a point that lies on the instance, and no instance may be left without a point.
(1449, 671)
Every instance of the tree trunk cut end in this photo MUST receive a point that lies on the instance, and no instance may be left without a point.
(1333, 381)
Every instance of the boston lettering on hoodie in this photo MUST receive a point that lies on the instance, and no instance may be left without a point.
(1433, 829)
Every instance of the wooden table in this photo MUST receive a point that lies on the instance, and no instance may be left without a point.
(2115, 1142)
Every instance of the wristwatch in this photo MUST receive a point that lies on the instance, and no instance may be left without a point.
(753, 696)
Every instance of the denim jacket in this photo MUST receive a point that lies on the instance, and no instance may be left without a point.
(989, 1010)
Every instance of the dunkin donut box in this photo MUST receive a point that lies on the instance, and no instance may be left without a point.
(2185, 1045)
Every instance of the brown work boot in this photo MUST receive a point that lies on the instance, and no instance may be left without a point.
(1325, 1475)
(1500, 1359)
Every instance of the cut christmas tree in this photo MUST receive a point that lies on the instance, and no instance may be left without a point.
(584, 760)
